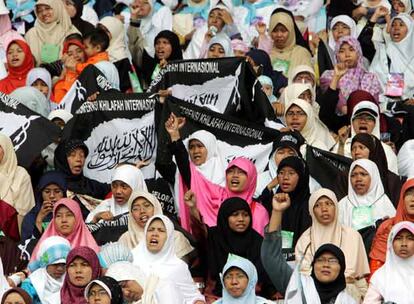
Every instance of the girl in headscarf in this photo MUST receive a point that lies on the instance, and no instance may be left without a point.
(233, 234)
(297, 288)
(48, 271)
(70, 158)
(294, 91)
(74, 8)
(293, 178)
(239, 279)
(53, 24)
(40, 79)
(267, 88)
(363, 144)
(340, 26)
(19, 62)
(74, 49)
(241, 179)
(50, 189)
(67, 222)
(405, 212)
(16, 295)
(167, 48)
(105, 289)
(366, 201)
(393, 282)
(33, 99)
(7, 34)
(218, 47)
(216, 25)
(349, 55)
(118, 52)
(139, 288)
(301, 116)
(15, 185)
(394, 55)
(323, 208)
(82, 267)
(126, 179)
(142, 206)
(157, 256)
(284, 43)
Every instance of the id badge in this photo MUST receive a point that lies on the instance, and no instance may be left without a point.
(362, 217)
(287, 239)
(281, 66)
(49, 53)
(395, 85)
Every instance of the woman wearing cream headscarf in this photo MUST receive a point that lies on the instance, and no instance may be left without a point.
(15, 185)
(301, 116)
(52, 25)
(282, 42)
(323, 208)
(142, 206)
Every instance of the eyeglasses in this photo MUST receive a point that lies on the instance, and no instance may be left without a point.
(286, 173)
(330, 261)
(297, 113)
(365, 117)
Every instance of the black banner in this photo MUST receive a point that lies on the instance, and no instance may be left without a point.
(224, 85)
(29, 131)
(117, 128)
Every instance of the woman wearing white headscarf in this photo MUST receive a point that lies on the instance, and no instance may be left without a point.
(313, 130)
(129, 176)
(42, 284)
(395, 55)
(219, 46)
(362, 210)
(215, 25)
(15, 184)
(164, 262)
(137, 220)
(406, 159)
(42, 74)
(394, 281)
(47, 36)
(154, 290)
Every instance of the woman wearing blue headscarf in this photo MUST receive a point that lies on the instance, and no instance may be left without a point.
(239, 279)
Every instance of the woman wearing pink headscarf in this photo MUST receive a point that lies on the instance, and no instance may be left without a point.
(349, 74)
(241, 179)
(68, 223)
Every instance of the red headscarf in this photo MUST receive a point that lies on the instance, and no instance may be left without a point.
(379, 245)
(70, 42)
(71, 294)
(17, 75)
(80, 235)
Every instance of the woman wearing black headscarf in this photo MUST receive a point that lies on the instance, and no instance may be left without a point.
(51, 188)
(167, 48)
(70, 156)
(325, 285)
(367, 146)
(233, 234)
(75, 10)
(104, 288)
(293, 178)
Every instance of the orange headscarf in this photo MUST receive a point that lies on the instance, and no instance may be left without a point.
(17, 75)
(379, 245)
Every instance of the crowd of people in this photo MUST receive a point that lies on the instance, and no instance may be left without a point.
(338, 77)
